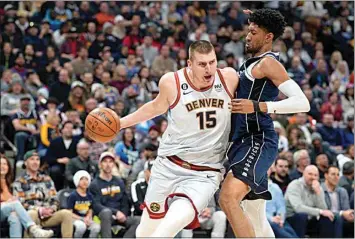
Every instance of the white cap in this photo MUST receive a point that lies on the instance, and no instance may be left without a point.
(107, 25)
(78, 175)
(77, 83)
(118, 18)
(105, 155)
(96, 86)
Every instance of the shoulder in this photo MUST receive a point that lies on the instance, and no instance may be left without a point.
(228, 72)
(167, 79)
(342, 191)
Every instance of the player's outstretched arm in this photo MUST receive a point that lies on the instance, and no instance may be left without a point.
(274, 70)
(155, 107)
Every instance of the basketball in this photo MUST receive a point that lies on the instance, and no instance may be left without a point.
(102, 125)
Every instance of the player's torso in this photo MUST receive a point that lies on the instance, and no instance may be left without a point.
(198, 124)
(261, 90)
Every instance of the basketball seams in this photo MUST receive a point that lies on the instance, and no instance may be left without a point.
(117, 121)
(97, 133)
(103, 123)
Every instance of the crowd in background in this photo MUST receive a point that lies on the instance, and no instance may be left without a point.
(60, 60)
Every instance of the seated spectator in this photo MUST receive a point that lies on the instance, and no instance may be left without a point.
(49, 131)
(276, 211)
(302, 160)
(126, 149)
(80, 203)
(347, 156)
(280, 176)
(58, 15)
(333, 107)
(297, 71)
(111, 94)
(330, 133)
(305, 199)
(319, 146)
(319, 77)
(59, 153)
(76, 99)
(163, 63)
(81, 64)
(74, 117)
(337, 200)
(283, 141)
(90, 104)
(347, 100)
(104, 15)
(295, 135)
(314, 103)
(322, 163)
(52, 105)
(5, 81)
(82, 162)
(348, 132)
(12, 210)
(347, 180)
(60, 89)
(38, 195)
(27, 125)
(19, 67)
(111, 203)
(210, 218)
(139, 188)
(95, 148)
(10, 102)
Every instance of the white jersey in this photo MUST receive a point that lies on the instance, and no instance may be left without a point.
(198, 122)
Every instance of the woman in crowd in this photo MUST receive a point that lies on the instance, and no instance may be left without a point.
(12, 210)
(333, 106)
(347, 100)
(49, 131)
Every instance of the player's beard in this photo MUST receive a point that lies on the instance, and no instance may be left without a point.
(252, 49)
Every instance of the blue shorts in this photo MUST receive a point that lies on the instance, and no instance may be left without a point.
(250, 157)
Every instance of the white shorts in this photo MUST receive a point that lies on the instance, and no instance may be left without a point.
(169, 180)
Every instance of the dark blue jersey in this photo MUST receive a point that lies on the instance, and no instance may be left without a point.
(254, 89)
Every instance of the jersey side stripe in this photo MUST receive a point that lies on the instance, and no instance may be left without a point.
(178, 90)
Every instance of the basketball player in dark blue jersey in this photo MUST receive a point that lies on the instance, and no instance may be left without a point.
(255, 142)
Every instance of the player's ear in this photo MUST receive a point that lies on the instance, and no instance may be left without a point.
(189, 63)
(269, 37)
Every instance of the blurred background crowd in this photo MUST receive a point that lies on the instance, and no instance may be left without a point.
(60, 60)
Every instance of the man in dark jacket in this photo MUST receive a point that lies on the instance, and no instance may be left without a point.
(111, 202)
(81, 162)
(337, 201)
(59, 153)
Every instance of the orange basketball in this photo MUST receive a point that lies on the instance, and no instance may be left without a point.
(102, 125)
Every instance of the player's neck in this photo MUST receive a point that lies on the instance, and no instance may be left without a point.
(264, 49)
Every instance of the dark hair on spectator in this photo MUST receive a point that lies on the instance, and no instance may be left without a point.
(9, 176)
(133, 142)
(201, 46)
(271, 20)
(331, 166)
(280, 158)
(65, 123)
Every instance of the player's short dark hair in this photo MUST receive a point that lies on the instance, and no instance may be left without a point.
(201, 46)
(271, 20)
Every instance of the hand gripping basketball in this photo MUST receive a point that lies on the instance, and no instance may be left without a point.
(102, 125)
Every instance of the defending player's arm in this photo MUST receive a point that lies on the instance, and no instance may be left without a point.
(273, 70)
(155, 107)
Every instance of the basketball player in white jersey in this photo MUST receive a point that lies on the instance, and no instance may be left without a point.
(188, 168)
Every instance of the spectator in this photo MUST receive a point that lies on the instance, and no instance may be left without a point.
(69, 47)
(320, 147)
(280, 177)
(335, 58)
(7, 58)
(333, 107)
(74, 117)
(19, 66)
(90, 105)
(210, 218)
(347, 100)
(153, 136)
(95, 148)
(149, 52)
(5, 82)
(347, 180)
(80, 203)
(120, 81)
(297, 71)
(305, 199)
(49, 131)
(58, 15)
(276, 212)
(163, 63)
(319, 77)
(341, 73)
(33, 83)
(330, 133)
(37, 194)
(322, 163)
(10, 102)
(82, 162)
(315, 105)
(104, 15)
(59, 153)
(81, 64)
(126, 149)
(12, 209)
(52, 105)
(347, 156)
(76, 99)
(27, 125)
(337, 201)
(213, 20)
(302, 160)
(110, 200)
(348, 132)
(139, 188)
(235, 46)
(60, 89)
(302, 121)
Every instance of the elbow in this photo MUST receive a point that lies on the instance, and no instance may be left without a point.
(304, 104)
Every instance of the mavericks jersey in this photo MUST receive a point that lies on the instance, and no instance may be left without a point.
(198, 122)
(261, 90)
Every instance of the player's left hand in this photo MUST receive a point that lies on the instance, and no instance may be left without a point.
(241, 106)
